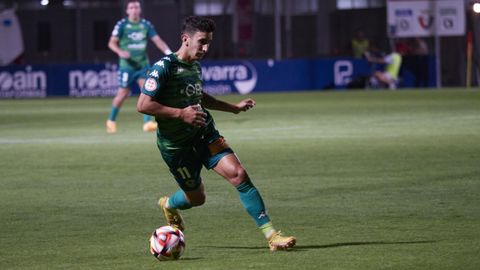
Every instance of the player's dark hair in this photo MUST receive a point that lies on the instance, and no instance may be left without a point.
(194, 24)
(127, 2)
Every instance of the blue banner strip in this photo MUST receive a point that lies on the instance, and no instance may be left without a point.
(220, 77)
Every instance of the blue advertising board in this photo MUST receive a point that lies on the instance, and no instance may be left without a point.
(223, 77)
(220, 77)
(38, 81)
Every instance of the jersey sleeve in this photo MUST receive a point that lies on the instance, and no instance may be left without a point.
(388, 59)
(157, 77)
(118, 29)
(150, 30)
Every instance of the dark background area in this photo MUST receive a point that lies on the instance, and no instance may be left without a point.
(79, 32)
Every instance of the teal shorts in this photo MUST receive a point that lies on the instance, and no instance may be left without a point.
(127, 77)
(186, 163)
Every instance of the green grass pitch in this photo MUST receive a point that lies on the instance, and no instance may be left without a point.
(364, 180)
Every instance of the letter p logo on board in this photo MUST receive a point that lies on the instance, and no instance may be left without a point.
(343, 71)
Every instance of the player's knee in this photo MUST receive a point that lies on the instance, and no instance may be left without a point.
(123, 92)
(238, 176)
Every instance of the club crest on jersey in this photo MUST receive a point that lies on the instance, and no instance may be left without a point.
(150, 84)
(154, 73)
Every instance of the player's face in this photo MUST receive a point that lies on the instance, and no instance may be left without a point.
(134, 11)
(198, 44)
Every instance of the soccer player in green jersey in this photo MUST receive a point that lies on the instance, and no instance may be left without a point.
(129, 40)
(186, 133)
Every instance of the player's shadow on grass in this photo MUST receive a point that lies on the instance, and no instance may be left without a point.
(367, 243)
(334, 245)
(190, 258)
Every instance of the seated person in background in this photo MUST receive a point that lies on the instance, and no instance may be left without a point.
(389, 76)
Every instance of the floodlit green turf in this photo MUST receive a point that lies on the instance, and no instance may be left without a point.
(365, 180)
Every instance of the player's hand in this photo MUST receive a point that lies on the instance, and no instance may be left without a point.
(124, 54)
(367, 55)
(244, 105)
(194, 116)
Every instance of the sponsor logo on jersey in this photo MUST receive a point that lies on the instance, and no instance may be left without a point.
(136, 36)
(192, 89)
(23, 83)
(137, 46)
(243, 78)
(180, 70)
(151, 84)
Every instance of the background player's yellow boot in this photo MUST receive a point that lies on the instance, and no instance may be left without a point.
(279, 242)
(150, 126)
(171, 215)
(111, 126)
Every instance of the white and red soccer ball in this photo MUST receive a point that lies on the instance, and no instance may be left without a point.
(167, 243)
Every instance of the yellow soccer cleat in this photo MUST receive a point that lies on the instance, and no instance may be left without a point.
(150, 126)
(279, 242)
(171, 215)
(111, 127)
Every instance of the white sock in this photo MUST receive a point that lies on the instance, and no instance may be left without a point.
(269, 233)
(167, 204)
(268, 230)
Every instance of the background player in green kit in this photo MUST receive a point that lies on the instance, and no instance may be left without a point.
(186, 134)
(129, 40)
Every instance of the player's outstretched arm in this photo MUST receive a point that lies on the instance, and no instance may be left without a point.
(190, 115)
(113, 45)
(215, 104)
(162, 45)
(374, 59)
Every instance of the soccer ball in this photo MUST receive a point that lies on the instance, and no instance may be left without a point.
(167, 243)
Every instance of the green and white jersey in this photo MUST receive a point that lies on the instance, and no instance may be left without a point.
(178, 84)
(133, 37)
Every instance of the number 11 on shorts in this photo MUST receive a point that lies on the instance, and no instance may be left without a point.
(184, 173)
